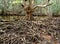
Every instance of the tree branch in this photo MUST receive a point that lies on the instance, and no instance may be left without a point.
(42, 6)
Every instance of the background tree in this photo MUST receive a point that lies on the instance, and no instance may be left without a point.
(30, 6)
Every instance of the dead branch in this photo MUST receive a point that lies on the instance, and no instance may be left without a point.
(43, 6)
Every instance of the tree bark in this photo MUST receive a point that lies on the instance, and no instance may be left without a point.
(29, 12)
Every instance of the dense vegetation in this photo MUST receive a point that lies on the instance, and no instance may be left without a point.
(15, 5)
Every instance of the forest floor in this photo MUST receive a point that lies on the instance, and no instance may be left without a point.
(42, 31)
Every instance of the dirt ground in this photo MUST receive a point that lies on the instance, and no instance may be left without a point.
(42, 31)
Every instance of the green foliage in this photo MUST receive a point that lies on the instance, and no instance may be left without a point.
(55, 7)
(14, 5)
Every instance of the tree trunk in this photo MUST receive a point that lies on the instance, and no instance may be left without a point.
(29, 16)
(29, 12)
